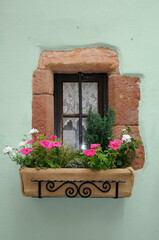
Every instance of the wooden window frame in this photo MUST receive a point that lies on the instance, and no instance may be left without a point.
(101, 79)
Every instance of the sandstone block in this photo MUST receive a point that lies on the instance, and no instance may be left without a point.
(43, 114)
(124, 95)
(42, 82)
(88, 60)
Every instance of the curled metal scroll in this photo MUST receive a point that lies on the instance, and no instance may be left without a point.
(87, 191)
(70, 191)
(83, 189)
(78, 187)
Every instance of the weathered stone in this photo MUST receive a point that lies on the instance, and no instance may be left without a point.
(42, 82)
(124, 95)
(89, 60)
(43, 114)
(138, 163)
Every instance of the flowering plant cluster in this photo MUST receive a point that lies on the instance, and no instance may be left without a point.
(120, 152)
(40, 152)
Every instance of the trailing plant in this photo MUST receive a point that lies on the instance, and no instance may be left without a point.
(98, 129)
(126, 152)
(40, 152)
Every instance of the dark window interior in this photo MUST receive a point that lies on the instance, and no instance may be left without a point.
(73, 95)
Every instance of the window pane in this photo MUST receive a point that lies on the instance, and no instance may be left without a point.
(71, 131)
(89, 96)
(83, 133)
(70, 98)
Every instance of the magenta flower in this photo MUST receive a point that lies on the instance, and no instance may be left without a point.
(46, 144)
(95, 145)
(26, 150)
(53, 137)
(90, 152)
(36, 137)
(56, 144)
(31, 141)
(115, 144)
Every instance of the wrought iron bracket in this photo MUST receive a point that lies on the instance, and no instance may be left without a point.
(82, 189)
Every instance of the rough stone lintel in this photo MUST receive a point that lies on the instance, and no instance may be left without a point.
(86, 60)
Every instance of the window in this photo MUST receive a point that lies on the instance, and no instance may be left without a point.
(123, 91)
(73, 95)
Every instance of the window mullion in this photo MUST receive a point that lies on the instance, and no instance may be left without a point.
(80, 108)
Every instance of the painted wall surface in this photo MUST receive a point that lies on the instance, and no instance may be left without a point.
(26, 29)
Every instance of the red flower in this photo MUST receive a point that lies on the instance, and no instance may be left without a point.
(31, 141)
(90, 152)
(95, 145)
(56, 144)
(115, 144)
(26, 150)
(53, 137)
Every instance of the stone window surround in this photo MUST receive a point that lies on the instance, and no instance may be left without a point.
(123, 91)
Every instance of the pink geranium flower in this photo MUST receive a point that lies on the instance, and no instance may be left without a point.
(31, 141)
(26, 150)
(95, 145)
(36, 137)
(115, 144)
(53, 137)
(90, 152)
(56, 144)
(46, 144)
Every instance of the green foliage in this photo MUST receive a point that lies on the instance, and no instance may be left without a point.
(98, 129)
(67, 154)
(119, 154)
(41, 156)
(52, 154)
(127, 151)
(98, 160)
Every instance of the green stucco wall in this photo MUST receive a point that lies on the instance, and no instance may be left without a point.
(26, 29)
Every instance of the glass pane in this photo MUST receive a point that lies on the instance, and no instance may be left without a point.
(89, 96)
(71, 131)
(83, 133)
(70, 98)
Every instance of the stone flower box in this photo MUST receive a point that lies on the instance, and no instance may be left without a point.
(75, 182)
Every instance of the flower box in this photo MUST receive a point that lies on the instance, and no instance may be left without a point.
(51, 169)
(72, 182)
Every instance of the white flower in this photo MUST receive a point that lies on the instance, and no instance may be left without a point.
(123, 130)
(32, 131)
(14, 153)
(22, 144)
(7, 150)
(126, 138)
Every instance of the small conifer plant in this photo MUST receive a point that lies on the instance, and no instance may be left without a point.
(98, 129)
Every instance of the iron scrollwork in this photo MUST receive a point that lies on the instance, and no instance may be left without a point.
(74, 188)
(70, 191)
